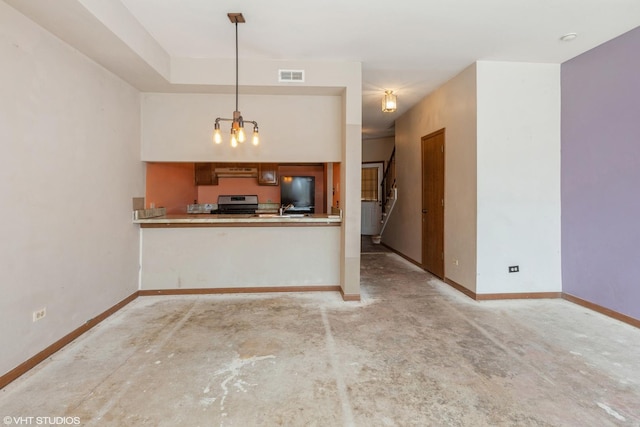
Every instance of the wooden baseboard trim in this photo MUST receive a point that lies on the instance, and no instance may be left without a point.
(251, 290)
(349, 297)
(547, 295)
(47, 352)
(488, 297)
(400, 254)
(460, 288)
(524, 295)
(602, 310)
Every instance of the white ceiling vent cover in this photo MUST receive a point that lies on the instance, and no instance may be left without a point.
(295, 76)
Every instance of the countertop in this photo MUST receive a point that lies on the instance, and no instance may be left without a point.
(252, 220)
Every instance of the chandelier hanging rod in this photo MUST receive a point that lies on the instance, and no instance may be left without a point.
(235, 18)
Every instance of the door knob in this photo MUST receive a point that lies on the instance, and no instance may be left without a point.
(424, 211)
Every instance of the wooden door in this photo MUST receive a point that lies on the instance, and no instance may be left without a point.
(433, 203)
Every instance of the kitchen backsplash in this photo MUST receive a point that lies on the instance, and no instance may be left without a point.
(198, 208)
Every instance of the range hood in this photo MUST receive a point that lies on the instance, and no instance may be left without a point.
(236, 172)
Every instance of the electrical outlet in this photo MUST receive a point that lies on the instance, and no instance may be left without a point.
(39, 314)
(514, 268)
(456, 262)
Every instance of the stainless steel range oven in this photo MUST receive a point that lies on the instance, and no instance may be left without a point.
(236, 204)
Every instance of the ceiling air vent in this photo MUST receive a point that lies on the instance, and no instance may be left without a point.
(296, 76)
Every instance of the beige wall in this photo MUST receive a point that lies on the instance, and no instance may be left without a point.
(518, 177)
(69, 166)
(453, 107)
(279, 257)
(293, 128)
(377, 150)
(350, 180)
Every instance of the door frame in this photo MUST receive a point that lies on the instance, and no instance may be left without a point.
(380, 166)
(439, 271)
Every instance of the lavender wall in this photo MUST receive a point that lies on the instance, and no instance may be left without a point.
(601, 175)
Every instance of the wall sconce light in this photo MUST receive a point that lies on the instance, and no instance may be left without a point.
(389, 102)
(237, 125)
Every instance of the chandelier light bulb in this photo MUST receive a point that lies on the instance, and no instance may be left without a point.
(217, 138)
(241, 136)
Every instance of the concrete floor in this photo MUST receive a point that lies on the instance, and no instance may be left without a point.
(414, 352)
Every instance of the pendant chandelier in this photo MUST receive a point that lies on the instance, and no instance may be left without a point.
(237, 122)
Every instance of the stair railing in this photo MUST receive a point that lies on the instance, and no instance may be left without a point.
(388, 179)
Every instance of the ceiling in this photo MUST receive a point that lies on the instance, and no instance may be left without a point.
(408, 46)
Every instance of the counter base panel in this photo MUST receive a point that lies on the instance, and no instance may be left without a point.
(239, 258)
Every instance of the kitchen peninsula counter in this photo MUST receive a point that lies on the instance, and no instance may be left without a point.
(248, 220)
(193, 253)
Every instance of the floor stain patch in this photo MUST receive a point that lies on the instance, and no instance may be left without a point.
(232, 379)
(258, 346)
(611, 412)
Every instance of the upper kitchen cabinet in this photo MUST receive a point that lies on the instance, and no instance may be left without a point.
(205, 174)
(268, 173)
